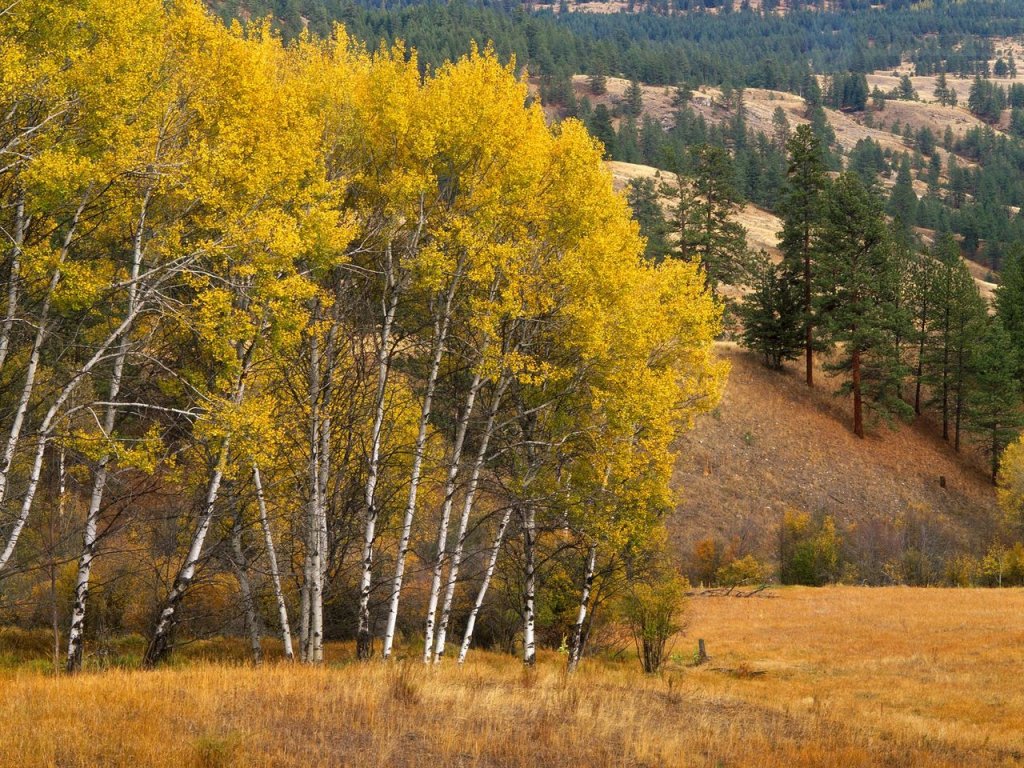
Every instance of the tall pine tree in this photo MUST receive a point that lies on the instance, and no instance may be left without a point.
(1010, 302)
(855, 299)
(801, 211)
(993, 405)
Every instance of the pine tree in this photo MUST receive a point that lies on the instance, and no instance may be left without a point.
(905, 89)
(934, 175)
(992, 412)
(601, 128)
(772, 313)
(646, 204)
(902, 203)
(705, 203)
(780, 129)
(1010, 302)
(944, 94)
(855, 303)
(633, 100)
(801, 210)
(956, 323)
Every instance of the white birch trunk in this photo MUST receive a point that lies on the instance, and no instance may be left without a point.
(467, 637)
(467, 510)
(364, 638)
(78, 611)
(530, 585)
(304, 611)
(446, 511)
(322, 478)
(45, 433)
(275, 574)
(241, 564)
(18, 422)
(314, 571)
(18, 240)
(160, 644)
(441, 326)
(576, 644)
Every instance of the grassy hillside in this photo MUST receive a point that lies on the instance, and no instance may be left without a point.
(775, 445)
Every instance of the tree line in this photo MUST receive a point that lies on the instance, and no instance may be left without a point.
(294, 334)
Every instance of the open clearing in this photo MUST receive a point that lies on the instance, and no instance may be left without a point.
(841, 676)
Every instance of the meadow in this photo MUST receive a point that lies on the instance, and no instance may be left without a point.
(839, 676)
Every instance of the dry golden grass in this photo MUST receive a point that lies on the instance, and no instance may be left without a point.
(773, 444)
(829, 677)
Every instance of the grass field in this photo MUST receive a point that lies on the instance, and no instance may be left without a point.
(841, 676)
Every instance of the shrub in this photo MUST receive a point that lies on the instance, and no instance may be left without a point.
(652, 610)
(1003, 567)
(745, 570)
(810, 552)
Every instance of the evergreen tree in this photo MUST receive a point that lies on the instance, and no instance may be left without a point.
(934, 175)
(772, 313)
(644, 200)
(945, 95)
(855, 300)
(780, 129)
(633, 100)
(903, 201)
(1010, 302)
(905, 89)
(993, 413)
(801, 210)
(955, 326)
(627, 142)
(922, 285)
(601, 128)
(705, 203)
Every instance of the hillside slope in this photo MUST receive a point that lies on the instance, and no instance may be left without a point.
(774, 445)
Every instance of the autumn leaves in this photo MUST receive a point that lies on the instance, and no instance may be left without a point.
(407, 307)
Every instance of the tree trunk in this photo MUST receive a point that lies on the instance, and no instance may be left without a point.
(241, 565)
(13, 278)
(529, 585)
(945, 378)
(467, 510)
(21, 410)
(576, 644)
(275, 574)
(858, 405)
(919, 376)
(481, 593)
(364, 635)
(441, 325)
(446, 511)
(808, 327)
(90, 539)
(959, 406)
(304, 610)
(312, 652)
(161, 644)
(323, 478)
(45, 431)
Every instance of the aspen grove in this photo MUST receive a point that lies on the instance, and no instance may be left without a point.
(305, 341)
